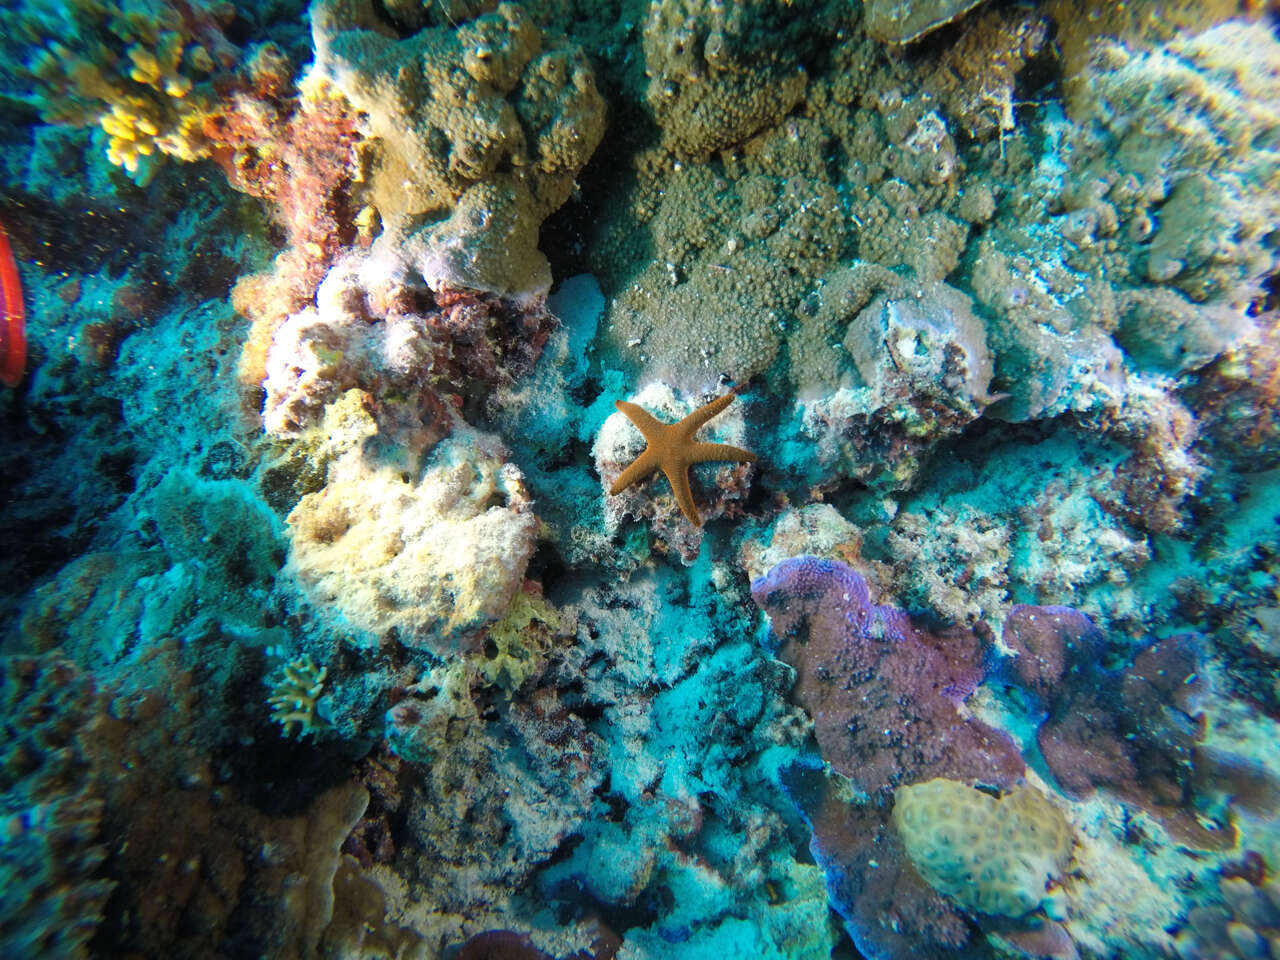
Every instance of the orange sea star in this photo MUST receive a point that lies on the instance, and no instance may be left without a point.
(672, 449)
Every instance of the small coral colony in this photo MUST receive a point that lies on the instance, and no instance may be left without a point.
(640, 479)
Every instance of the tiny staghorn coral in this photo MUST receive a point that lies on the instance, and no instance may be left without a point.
(294, 696)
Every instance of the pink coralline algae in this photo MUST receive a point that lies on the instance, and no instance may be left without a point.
(884, 695)
(1130, 729)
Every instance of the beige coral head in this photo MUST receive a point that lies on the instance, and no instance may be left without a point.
(993, 855)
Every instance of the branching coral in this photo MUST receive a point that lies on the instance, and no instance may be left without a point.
(141, 72)
(295, 695)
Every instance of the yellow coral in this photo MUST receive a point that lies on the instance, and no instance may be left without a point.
(143, 80)
(517, 643)
(991, 855)
(294, 697)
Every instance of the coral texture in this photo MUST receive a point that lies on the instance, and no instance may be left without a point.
(1246, 924)
(884, 695)
(144, 74)
(1129, 727)
(485, 126)
(719, 72)
(432, 547)
(50, 810)
(989, 854)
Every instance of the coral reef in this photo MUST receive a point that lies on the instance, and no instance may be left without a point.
(1246, 925)
(719, 73)
(1131, 729)
(896, 22)
(317, 434)
(54, 891)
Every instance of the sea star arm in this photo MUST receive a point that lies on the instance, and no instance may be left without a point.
(679, 479)
(690, 424)
(704, 452)
(643, 465)
(645, 422)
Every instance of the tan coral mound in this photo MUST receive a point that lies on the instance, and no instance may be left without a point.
(990, 855)
(479, 130)
(431, 551)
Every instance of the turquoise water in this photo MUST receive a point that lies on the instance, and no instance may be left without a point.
(660, 479)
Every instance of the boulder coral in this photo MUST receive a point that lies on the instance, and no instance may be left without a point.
(990, 854)
(475, 134)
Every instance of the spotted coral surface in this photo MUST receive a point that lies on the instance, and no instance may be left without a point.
(989, 854)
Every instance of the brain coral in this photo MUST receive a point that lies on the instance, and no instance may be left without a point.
(991, 855)
(494, 106)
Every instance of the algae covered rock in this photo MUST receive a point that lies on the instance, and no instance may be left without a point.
(991, 855)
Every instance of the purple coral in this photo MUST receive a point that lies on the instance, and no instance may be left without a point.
(1132, 730)
(883, 694)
